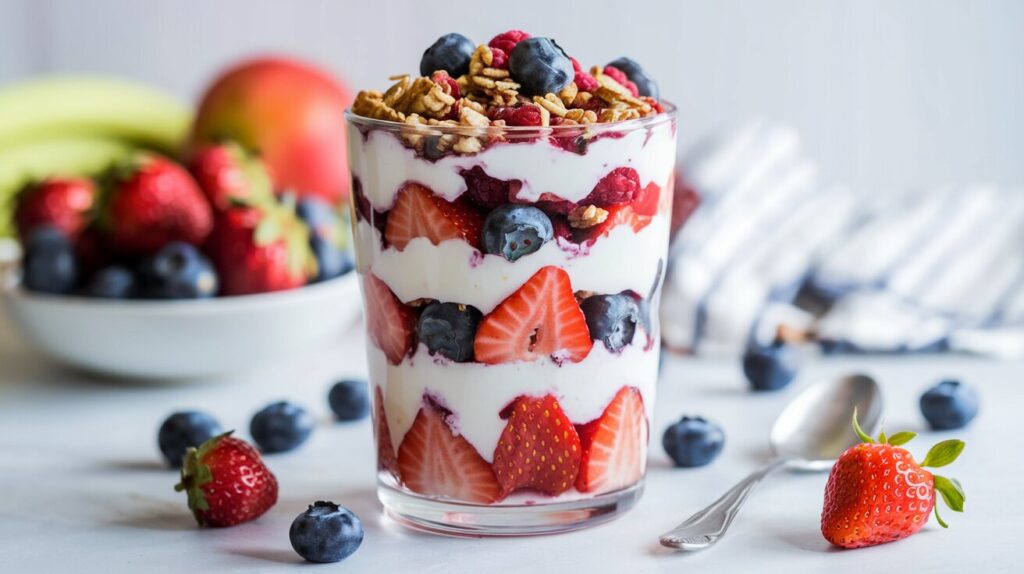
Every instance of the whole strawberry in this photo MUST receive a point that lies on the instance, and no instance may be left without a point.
(258, 249)
(153, 201)
(64, 203)
(227, 482)
(877, 493)
(228, 175)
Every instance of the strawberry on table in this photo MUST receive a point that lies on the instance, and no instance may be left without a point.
(227, 174)
(260, 248)
(390, 323)
(877, 493)
(538, 449)
(64, 203)
(434, 461)
(541, 319)
(151, 202)
(227, 482)
(419, 213)
(614, 445)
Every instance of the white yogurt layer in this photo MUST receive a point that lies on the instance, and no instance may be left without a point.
(382, 163)
(454, 272)
(477, 393)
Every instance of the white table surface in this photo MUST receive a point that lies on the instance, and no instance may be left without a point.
(82, 488)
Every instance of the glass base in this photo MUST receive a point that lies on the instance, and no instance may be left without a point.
(461, 519)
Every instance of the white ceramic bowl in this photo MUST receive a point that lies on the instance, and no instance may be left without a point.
(165, 340)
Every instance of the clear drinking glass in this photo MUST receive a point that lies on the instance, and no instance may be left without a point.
(495, 410)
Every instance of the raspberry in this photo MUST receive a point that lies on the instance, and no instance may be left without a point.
(620, 77)
(523, 116)
(441, 77)
(584, 81)
(487, 191)
(499, 59)
(507, 40)
(619, 186)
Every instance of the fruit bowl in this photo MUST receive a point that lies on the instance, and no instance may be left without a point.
(181, 340)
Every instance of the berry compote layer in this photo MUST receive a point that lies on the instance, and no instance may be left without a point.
(511, 215)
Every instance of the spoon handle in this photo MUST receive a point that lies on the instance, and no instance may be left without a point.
(707, 526)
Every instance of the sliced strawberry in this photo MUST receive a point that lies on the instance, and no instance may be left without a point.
(434, 461)
(539, 448)
(617, 215)
(614, 445)
(389, 322)
(541, 319)
(386, 459)
(419, 213)
(647, 200)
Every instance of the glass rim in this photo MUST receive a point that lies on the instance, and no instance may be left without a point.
(625, 125)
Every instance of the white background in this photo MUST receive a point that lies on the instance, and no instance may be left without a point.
(888, 94)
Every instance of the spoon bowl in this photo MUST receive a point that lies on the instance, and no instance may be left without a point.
(814, 428)
(809, 434)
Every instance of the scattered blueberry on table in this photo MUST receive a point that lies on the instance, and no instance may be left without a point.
(949, 405)
(326, 533)
(770, 368)
(349, 400)
(281, 427)
(50, 265)
(185, 429)
(693, 441)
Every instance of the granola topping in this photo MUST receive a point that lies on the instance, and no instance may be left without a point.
(481, 98)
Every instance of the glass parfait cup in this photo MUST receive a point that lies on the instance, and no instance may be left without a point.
(512, 352)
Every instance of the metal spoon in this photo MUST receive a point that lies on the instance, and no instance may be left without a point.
(809, 435)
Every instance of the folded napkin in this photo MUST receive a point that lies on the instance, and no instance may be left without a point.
(771, 245)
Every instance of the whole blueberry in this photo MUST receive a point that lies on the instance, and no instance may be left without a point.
(281, 427)
(513, 231)
(693, 442)
(177, 271)
(49, 265)
(331, 260)
(449, 329)
(450, 53)
(540, 66)
(318, 214)
(182, 430)
(644, 84)
(349, 399)
(611, 319)
(770, 368)
(114, 282)
(326, 532)
(949, 405)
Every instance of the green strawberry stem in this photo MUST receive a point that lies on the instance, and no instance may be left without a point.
(941, 454)
(194, 474)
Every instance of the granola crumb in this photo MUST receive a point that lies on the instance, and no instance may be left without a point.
(586, 216)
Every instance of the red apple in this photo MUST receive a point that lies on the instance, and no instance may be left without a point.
(291, 113)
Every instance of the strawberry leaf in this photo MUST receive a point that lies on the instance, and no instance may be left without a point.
(864, 437)
(901, 438)
(952, 493)
(943, 453)
(938, 518)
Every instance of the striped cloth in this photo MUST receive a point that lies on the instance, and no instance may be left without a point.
(772, 245)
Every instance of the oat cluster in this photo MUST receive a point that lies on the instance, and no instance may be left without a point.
(483, 97)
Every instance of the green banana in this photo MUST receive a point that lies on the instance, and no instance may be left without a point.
(69, 156)
(85, 106)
